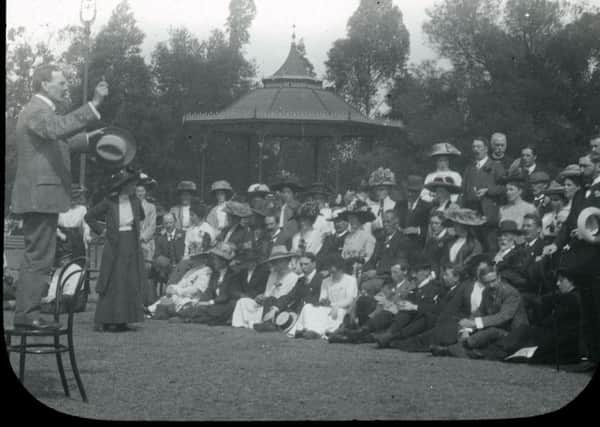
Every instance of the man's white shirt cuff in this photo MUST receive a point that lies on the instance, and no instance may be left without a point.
(478, 323)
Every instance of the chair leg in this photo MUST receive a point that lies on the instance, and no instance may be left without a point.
(74, 366)
(61, 369)
(22, 359)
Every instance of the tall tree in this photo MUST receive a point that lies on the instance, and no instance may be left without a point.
(241, 15)
(375, 50)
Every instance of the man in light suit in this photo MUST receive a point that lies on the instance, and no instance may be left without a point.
(42, 186)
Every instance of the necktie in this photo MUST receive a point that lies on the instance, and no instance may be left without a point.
(302, 245)
(381, 209)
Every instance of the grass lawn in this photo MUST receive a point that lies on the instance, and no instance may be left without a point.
(165, 371)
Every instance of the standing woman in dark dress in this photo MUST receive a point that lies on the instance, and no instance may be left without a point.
(122, 278)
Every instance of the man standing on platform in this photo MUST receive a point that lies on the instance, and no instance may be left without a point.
(42, 185)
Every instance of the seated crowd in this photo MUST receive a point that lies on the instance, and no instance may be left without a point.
(490, 263)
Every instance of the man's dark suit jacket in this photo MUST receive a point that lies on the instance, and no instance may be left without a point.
(514, 267)
(255, 286)
(486, 177)
(501, 307)
(167, 249)
(303, 293)
(387, 253)
(417, 217)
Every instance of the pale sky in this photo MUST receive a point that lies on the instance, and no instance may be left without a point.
(319, 22)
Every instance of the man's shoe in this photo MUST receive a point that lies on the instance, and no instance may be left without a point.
(266, 327)
(311, 335)
(299, 334)
(439, 350)
(338, 339)
(475, 354)
(39, 324)
(177, 319)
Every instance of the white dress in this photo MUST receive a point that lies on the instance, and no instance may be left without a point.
(189, 289)
(340, 294)
(248, 312)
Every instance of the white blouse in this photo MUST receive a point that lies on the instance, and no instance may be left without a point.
(74, 218)
(313, 241)
(456, 246)
(359, 243)
(125, 213)
(277, 287)
(341, 294)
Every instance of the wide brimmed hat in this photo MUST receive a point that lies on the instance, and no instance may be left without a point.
(224, 250)
(444, 149)
(241, 210)
(319, 188)
(509, 226)
(280, 252)
(335, 214)
(513, 178)
(147, 181)
(464, 216)
(186, 186)
(571, 171)
(588, 223)
(444, 182)
(309, 210)
(539, 177)
(285, 320)
(414, 183)
(113, 147)
(258, 190)
(286, 179)
(555, 188)
(359, 209)
(221, 185)
(121, 178)
(382, 178)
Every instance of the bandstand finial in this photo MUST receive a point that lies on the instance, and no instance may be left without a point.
(294, 33)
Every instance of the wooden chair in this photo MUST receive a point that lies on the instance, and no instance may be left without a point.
(55, 347)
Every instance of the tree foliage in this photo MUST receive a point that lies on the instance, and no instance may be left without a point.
(375, 51)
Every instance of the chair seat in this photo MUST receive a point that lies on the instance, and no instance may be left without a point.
(35, 332)
(39, 348)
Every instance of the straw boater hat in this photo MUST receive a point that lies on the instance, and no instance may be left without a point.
(241, 210)
(224, 250)
(287, 179)
(280, 252)
(588, 223)
(285, 320)
(571, 171)
(188, 186)
(359, 209)
(113, 147)
(221, 185)
(555, 188)
(444, 149)
(509, 226)
(464, 216)
(258, 190)
(382, 178)
(444, 182)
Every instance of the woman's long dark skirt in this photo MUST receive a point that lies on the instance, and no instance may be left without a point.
(122, 301)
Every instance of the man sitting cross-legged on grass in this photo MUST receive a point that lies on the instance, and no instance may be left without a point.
(264, 307)
(427, 313)
(501, 311)
(191, 287)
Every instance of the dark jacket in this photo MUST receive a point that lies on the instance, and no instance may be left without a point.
(387, 252)
(501, 307)
(43, 178)
(290, 226)
(108, 211)
(304, 293)
(417, 217)
(514, 267)
(471, 248)
(434, 249)
(255, 286)
(221, 292)
(486, 177)
(173, 250)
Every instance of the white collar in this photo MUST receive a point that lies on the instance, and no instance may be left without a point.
(530, 169)
(46, 100)
(481, 162)
(596, 180)
(311, 276)
(427, 280)
(478, 285)
(533, 242)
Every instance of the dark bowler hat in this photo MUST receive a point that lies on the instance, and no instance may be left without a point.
(186, 186)
(113, 147)
(286, 179)
(539, 177)
(509, 226)
(414, 183)
(515, 178)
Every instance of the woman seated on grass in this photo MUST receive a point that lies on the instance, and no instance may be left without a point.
(191, 288)
(338, 292)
